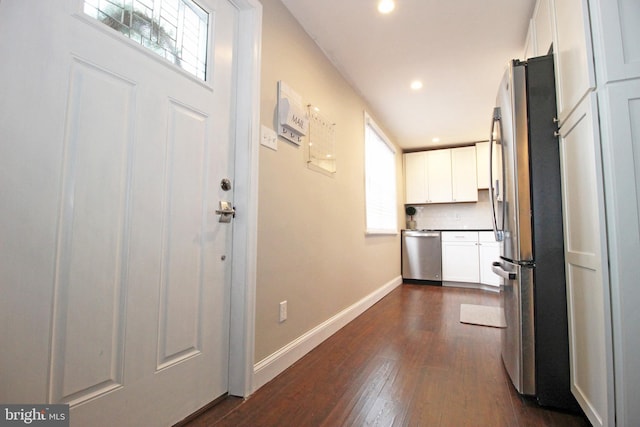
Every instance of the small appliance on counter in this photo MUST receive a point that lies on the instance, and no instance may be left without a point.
(422, 256)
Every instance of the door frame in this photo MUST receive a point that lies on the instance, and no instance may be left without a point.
(245, 227)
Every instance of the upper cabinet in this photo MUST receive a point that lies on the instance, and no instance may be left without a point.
(484, 162)
(542, 32)
(441, 176)
(415, 177)
(617, 33)
(428, 176)
(575, 74)
(463, 174)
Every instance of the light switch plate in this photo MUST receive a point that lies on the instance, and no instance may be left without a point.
(283, 311)
(268, 138)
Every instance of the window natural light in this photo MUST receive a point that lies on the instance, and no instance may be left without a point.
(380, 181)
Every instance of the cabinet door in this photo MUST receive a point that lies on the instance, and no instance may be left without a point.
(620, 118)
(542, 27)
(460, 261)
(616, 35)
(573, 54)
(529, 42)
(585, 264)
(482, 165)
(415, 177)
(463, 174)
(489, 253)
(439, 176)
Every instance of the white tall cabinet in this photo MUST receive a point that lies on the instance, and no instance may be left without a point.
(616, 31)
(590, 344)
(597, 59)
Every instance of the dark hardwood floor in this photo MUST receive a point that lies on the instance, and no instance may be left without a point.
(407, 361)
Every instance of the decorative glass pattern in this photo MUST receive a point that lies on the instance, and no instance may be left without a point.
(174, 29)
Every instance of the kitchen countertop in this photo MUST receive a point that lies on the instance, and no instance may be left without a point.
(447, 229)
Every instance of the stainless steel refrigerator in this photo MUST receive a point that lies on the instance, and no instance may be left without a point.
(527, 215)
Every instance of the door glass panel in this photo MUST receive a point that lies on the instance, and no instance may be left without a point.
(174, 29)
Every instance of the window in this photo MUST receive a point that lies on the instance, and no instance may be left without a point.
(177, 30)
(380, 181)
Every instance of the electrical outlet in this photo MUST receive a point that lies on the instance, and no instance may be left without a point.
(283, 311)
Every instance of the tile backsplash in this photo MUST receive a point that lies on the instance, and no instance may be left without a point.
(450, 216)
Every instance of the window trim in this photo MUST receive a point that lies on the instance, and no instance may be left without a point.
(369, 122)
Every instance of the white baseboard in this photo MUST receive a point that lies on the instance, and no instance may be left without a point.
(272, 365)
(480, 286)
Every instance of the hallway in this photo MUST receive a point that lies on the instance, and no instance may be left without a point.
(407, 361)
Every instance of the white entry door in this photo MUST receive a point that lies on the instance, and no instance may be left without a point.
(115, 268)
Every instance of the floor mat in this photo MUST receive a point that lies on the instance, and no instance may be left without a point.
(482, 315)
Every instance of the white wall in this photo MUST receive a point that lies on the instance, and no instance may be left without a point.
(312, 247)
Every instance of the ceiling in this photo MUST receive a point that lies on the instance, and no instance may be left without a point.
(459, 49)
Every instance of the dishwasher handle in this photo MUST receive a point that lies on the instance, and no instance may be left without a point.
(497, 269)
(422, 234)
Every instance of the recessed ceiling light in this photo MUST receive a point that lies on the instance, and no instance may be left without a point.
(416, 85)
(435, 140)
(386, 6)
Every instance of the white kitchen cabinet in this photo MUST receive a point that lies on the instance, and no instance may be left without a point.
(616, 35)
(460, 261)
(439, 176)
(482, 165)
(427, 176)
(529, 42)
(600, 167)
(585, 263)
(430, 176)
(541, 22)
(488, 253)
(573, 54)
(467, 257)
(415, 178)
(620, 120)
(464, 186)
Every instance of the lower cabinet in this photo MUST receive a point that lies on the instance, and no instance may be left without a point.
(467, 257)
(460, 261)
(488, 252)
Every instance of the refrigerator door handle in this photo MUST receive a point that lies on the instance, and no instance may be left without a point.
(497, 269)
(494, 192)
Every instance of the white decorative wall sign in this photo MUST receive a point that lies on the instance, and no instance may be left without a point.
(293, 122)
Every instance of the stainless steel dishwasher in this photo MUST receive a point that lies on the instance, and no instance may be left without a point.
(421, 255)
